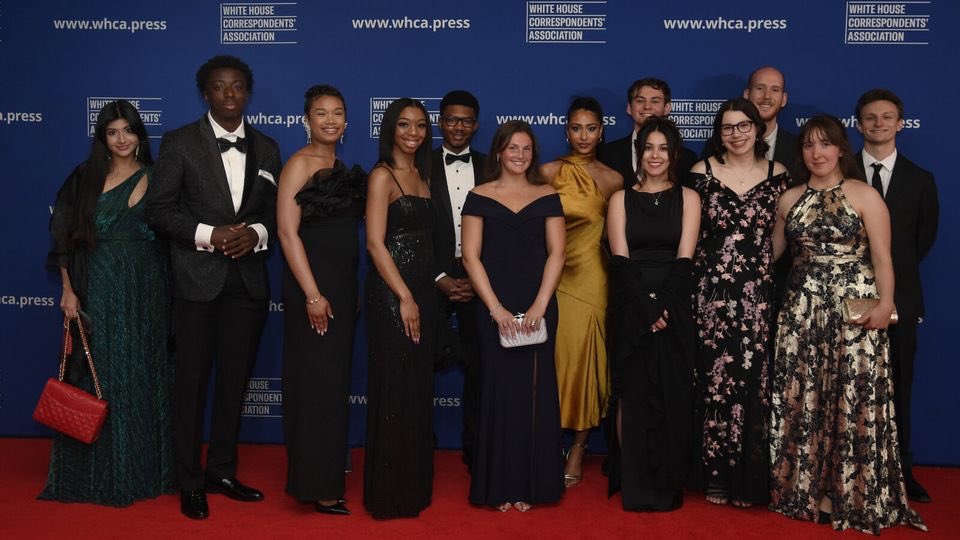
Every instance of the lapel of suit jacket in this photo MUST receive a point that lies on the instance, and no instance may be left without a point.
(477, 169)
(778, 148)
(210, 159)
(252, 169)
(898, 178)
(442, 194)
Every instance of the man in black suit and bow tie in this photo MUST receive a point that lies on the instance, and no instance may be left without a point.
(213, 193)
(911, 197)
(456, 169)
(645, 98)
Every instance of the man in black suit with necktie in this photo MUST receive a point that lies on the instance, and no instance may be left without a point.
(213, 193)
(456, 169)
(645, 98)
(911, 196)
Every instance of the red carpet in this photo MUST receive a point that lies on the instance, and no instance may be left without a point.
(585, 511)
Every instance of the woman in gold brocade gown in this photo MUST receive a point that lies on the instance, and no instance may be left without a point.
(834, 452)
(584, 185)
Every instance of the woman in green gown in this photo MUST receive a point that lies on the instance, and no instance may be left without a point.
(113, 269)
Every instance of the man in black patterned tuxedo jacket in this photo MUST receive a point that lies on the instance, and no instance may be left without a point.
(213, 194)
(911, 197)
(455, 169)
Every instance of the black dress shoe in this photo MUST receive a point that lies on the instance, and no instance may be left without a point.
(915, 491)
(338, 509)
(231, 487)
(193, 504)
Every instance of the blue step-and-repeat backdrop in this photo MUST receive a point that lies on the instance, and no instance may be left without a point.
(60, 61)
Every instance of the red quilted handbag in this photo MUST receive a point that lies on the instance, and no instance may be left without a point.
(66, 408)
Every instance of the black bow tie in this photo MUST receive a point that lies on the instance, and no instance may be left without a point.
(450, 158)
(225, 144)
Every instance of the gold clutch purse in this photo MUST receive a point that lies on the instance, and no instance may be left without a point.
(854, 308)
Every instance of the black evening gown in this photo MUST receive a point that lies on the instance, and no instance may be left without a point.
(734, 264)
(651, 372)
(398, 469)
(517, 455)
(123, 286)
(316, 369)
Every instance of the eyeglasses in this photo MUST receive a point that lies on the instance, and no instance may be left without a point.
(742, 127)
(467, 121)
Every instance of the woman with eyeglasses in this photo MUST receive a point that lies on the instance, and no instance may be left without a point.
(739, 189)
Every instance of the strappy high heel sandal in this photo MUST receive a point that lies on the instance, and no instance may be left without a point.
(570, 480)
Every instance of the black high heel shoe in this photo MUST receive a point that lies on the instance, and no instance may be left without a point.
(338, 509)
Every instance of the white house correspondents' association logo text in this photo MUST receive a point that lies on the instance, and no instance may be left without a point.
(150, 109)
(258, 23)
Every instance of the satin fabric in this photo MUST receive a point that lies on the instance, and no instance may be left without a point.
(581, 356)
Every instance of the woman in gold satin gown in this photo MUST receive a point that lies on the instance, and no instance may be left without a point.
(584, 185)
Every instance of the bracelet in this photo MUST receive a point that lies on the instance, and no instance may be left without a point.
(315, 300)
(496, 307)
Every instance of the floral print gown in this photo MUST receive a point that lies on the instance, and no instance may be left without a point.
(833, 430)
(734, 262)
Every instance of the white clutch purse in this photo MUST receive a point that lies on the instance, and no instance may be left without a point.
(522, 339)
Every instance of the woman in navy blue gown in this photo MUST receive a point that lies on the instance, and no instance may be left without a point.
(513, 250)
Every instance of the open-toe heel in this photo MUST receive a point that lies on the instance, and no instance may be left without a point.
(570, 480)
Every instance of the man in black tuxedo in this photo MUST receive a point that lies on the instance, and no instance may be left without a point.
(911, 197)
(455, 170)
(645, 98)
(213, 193)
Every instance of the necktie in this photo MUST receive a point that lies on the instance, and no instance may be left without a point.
(225, 144)
(450, 158)
(875, 181)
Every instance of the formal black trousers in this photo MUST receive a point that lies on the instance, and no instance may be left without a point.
(225, 333)
(467, 332)
(903, 348)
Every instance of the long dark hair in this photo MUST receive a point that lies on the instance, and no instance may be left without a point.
(674, 142)
(743, 105)
(388, 136)
(93, 173)
(501, 139)
(832, 130)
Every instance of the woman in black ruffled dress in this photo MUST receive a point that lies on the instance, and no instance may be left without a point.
(319, 204)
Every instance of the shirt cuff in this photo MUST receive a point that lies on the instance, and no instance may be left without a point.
(262, 235)
(202, 237)
(439, 277)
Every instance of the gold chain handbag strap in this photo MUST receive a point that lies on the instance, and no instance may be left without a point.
(86, 351)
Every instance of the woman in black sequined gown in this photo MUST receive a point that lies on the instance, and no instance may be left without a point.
(319, 203)
(652, 228)
(402, 316)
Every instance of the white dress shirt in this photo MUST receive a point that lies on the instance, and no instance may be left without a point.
(885, 172)
(771, 140)
(235, 167)
(460, 180)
